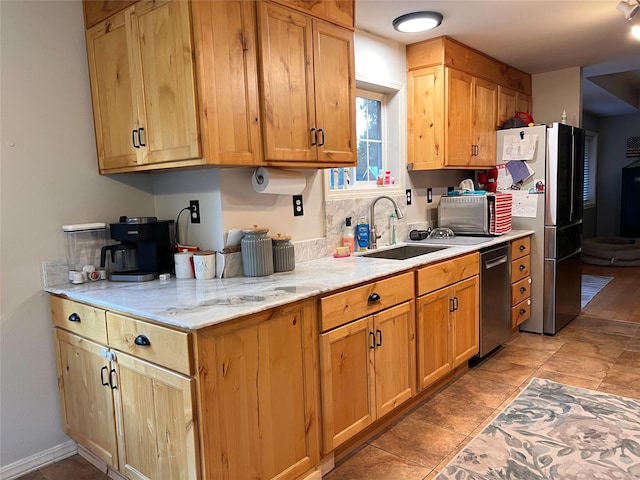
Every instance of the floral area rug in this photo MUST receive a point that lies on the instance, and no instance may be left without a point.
(555, 431)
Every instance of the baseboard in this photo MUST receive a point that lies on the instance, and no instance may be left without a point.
(39, 460)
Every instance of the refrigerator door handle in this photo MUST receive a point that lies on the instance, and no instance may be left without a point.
(573, 179)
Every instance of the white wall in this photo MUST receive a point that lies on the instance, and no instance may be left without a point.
(48, 178)
(556, 91)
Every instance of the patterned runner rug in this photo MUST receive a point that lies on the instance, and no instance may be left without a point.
(555, 431)
(591, 285)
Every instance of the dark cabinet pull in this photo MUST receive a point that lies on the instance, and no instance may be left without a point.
(522, 267)
(142, 340)
(321, 131)
(314, 139)
(522, 311)
(112, 384)
(522, 247)
(133, 138)
(452, 305)
(104, 370)
(455, 303)
(523, 289)
(373, 298)
(379, 333)
(373, 340)
(74, 317)
(140, 132)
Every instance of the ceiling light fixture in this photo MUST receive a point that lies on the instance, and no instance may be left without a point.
(417, 22)
(635, 31)
(628, 8)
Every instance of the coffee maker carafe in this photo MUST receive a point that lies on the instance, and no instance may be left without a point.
(145, 249)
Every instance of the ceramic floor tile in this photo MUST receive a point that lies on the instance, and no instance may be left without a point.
(371, 462)
(567, 379)
(450, 412)
(631, 390)
(633, 344)
(502, 371)
(480, 391)
(528, 357)
(418, 442)
(607, 353)
(623, 374)
(536, 341)
(596, 338)
(629, 359)
(580, 366)
(74, 467)
(627, 329)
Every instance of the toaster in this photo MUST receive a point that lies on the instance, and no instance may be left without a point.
(476, 214)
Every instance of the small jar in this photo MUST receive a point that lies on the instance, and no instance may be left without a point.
(257, 253)
(284, 258)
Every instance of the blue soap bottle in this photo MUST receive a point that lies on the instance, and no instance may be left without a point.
(362, 234)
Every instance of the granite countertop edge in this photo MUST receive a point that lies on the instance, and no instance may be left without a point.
(194, 304)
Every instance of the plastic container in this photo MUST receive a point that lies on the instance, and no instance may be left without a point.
(284, 256)
(393, 227)
(257, 252)
(84, 243)
(348, 238)
(362, 234)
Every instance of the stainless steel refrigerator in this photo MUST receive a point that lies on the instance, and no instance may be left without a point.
(554, 193)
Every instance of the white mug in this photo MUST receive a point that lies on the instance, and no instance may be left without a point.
(204, 265)
(184, 264)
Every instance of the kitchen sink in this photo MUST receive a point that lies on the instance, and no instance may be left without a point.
(403, 252)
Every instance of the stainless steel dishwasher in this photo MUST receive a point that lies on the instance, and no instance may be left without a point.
(495, 297)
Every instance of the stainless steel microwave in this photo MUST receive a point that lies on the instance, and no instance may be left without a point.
(476, 214)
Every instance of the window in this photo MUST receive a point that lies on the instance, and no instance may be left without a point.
(372, 137)
(590, 157)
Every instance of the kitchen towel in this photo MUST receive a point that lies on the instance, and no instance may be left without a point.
(278, 181)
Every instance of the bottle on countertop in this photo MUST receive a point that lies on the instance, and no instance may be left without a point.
(393, 225)
(563, 118)
(362, 234)
(348, 239)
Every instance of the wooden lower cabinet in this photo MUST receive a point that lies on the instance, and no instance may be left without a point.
(367, 370)
(86, 399)
(157, 426)
(258, 395)
(447, 319)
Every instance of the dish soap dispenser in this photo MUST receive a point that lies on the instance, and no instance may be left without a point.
(362, 233)
(348, 239)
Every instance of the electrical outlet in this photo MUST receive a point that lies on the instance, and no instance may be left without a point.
(408, 193)
(194, 205)
(429, 195)
(298, 211)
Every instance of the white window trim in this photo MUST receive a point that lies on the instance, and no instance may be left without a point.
(367, 88)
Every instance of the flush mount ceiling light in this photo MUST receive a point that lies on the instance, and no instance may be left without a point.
(417, 22)
(628, 8)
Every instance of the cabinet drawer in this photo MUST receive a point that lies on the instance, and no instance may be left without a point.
(83, 320)
(520, 312)
(442, 274)
(520, 247)
(520, 290)
(358, 302)
(520, 268)
(166, 347)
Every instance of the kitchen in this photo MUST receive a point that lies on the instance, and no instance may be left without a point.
(47, 184)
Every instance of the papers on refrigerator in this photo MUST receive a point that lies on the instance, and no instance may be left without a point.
(525, 204)
(519, 147)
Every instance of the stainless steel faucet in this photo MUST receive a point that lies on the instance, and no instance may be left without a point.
(373, 231)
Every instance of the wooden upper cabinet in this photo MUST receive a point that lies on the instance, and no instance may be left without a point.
(141, 70)
(227, 78)
(308, 76)
(96, 11)
(452, 122)
(340, 12)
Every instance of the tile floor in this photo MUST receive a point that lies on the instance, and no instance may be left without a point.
(599, 350)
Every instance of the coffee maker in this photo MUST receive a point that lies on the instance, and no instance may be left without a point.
(145, 249)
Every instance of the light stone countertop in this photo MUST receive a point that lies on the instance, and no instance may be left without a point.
(193, 304)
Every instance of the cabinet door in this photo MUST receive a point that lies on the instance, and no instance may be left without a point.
(523, 102)
(425, 108)
(506, 105)
(288, 108)
(459, 119)
(341, 12)
(347, 379)
(434, 345)
(110, 75)
(85, 395)
(395, 357)
(259, 417)
(162, 52)
(157, 429)
(335, 96)
(484, 116)
(465, 325)
(227, 72)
